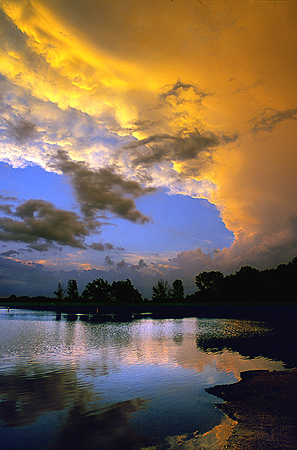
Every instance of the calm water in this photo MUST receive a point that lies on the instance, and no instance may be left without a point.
(77, 384)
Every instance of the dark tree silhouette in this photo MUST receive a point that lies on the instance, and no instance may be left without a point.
(245, 283)
(72, 291)
(98, 290)
(60, 292)
(124, 291)
(177, 291)
(161, 292)
(209, 281)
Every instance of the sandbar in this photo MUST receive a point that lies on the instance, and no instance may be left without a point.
(264, 406)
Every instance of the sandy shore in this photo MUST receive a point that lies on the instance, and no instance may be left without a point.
(264, 405)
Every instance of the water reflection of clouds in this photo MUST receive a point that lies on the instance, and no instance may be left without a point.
(82, 420)
(109, 428)
(32, 389)
(228, 361)
(191, 343)
(96, 376)
(180, 343)
(105, 348)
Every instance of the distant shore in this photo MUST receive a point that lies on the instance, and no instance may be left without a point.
(250, 311)
(263, 404)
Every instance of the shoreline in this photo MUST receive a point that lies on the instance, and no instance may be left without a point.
(263, 405)
(280, 312)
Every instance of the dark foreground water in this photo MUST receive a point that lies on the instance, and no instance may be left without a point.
(74, 384)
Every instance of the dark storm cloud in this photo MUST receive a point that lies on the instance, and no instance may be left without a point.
(270, 118)
(192, 142)
(39, 219)
(9, 253)
(179, 92)
(100, 247)
(122, 264)
(142, 125)
(182, 147)
(141, 265)
(22, 130)
(40, 246)
(7, 198)
(102, 190)
(6, 209)
(108, 260)
(19, 273)
(25, 278)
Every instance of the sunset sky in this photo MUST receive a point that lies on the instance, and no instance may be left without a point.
(145, 139)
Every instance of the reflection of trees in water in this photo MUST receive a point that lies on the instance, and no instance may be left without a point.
(276, 343)
(178, 338)
(30, 391)
(108, 428)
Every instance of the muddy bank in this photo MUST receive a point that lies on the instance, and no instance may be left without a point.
(264, 405)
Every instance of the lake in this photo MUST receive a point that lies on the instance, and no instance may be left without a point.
(68, 382)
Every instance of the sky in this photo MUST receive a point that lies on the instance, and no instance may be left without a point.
(145, 139)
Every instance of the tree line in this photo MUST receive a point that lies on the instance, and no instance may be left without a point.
(246, 285)
(102, 291)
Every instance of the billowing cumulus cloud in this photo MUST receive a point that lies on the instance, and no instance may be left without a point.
(39, 128)
(123, 98)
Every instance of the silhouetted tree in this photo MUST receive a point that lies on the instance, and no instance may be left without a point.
(60, 292)
(245, 285)
(98, 290)
(161, 292)
(177, 291)
(72, 291)
(124, 291)
(247, 274)
(209, 281)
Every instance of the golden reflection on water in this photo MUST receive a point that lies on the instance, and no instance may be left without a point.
(189, 357)
(215, 439)
(101, 384)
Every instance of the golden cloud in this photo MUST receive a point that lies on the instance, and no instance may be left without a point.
(199, 97)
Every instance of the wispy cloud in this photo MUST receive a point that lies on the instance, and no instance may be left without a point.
(181, 147)
(100, 247)
(270, 118)
(181, 92)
